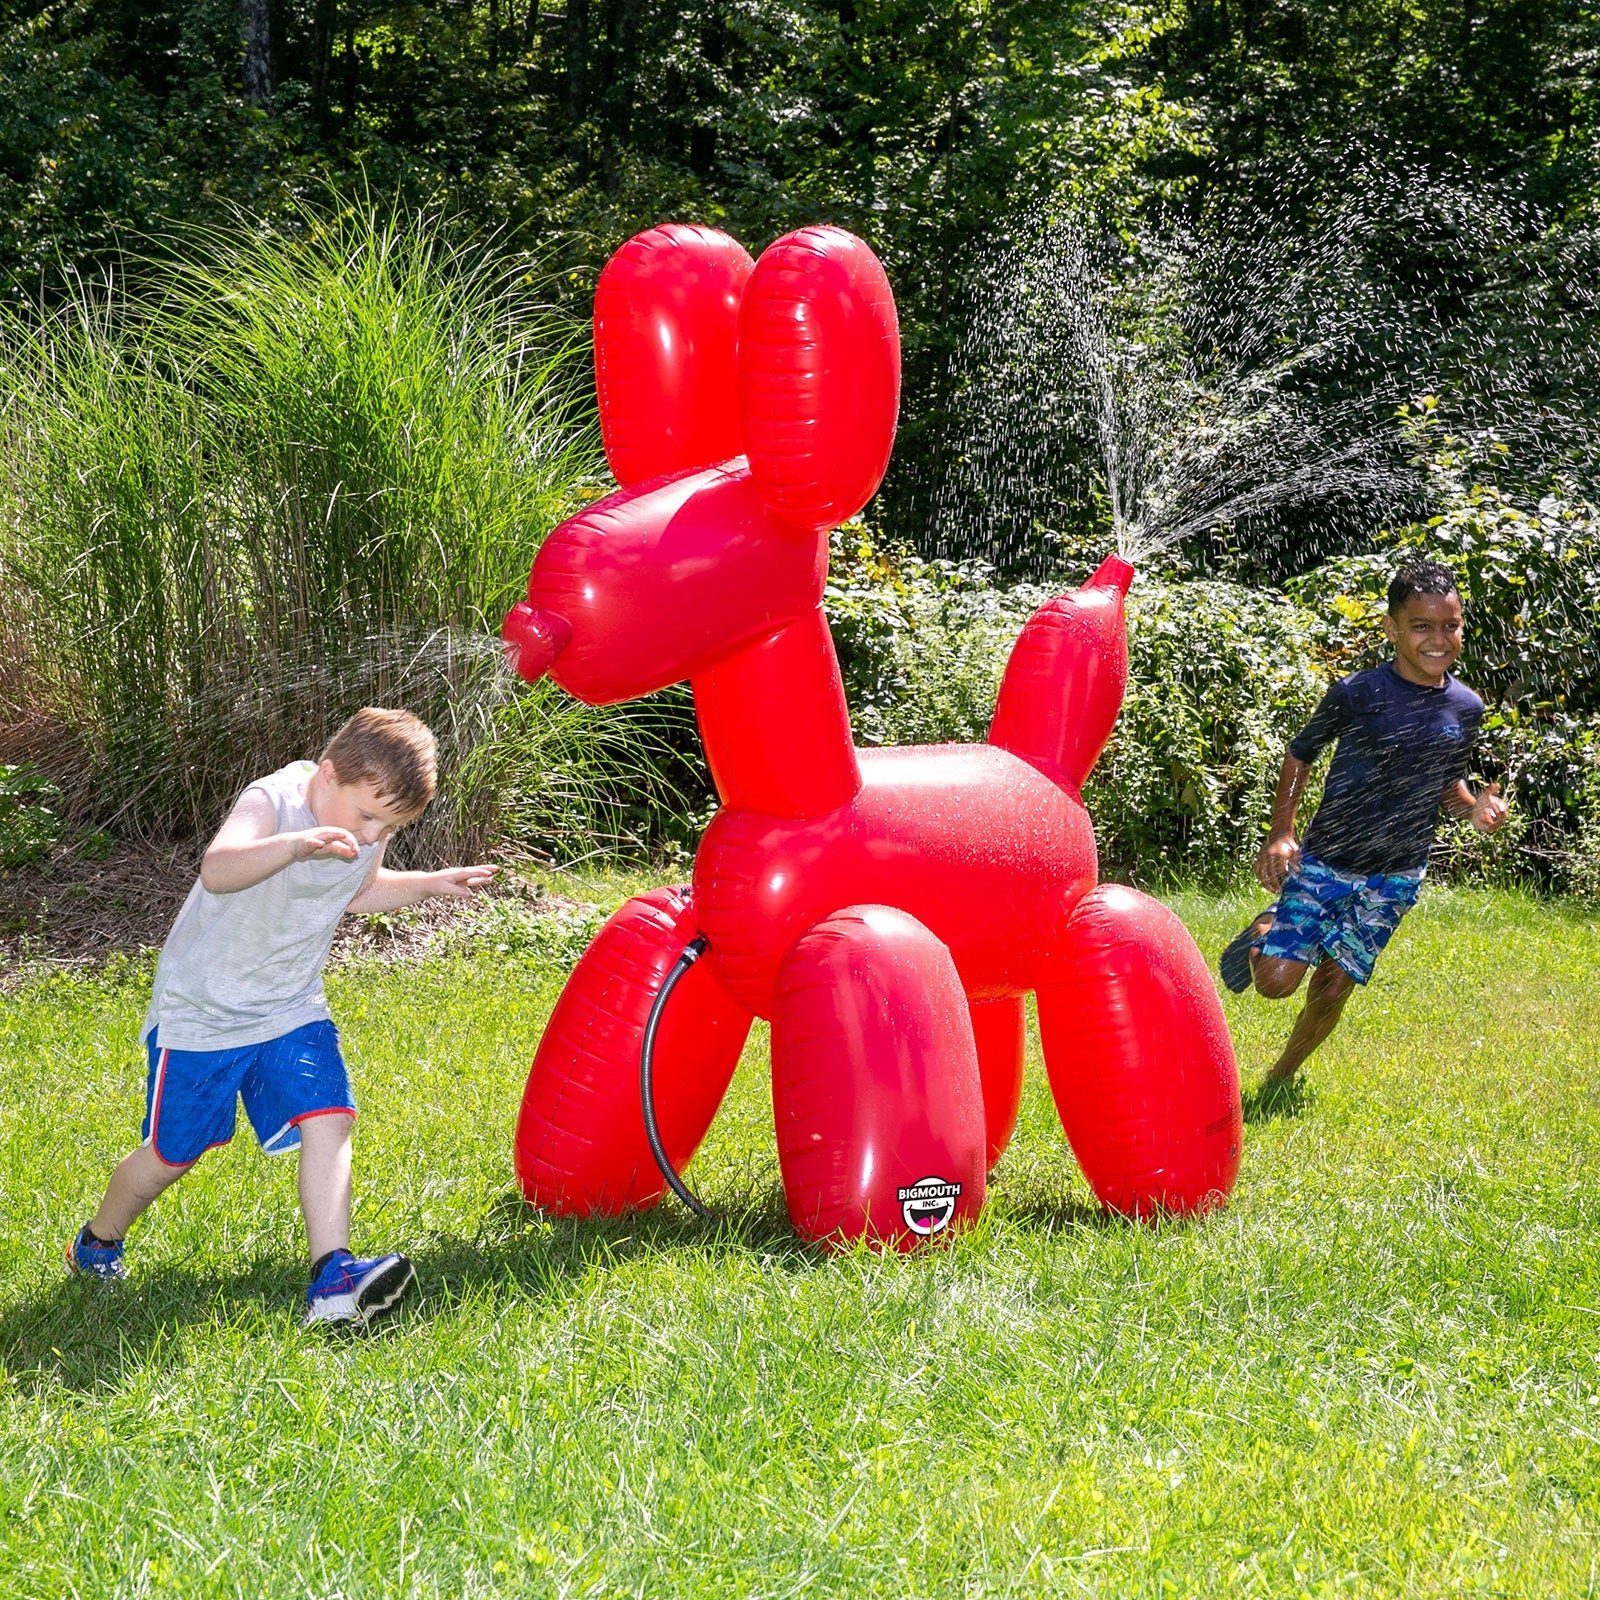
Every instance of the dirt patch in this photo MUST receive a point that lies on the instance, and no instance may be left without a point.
(71, 912)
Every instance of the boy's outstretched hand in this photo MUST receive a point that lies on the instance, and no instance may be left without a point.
(1488, 809)
(390, 890)
(459, 882)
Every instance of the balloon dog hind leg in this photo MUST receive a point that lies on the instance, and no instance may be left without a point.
(875, 1087)
(1000, 1031)
(1139, 1059)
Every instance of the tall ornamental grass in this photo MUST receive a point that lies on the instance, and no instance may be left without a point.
(288, 476)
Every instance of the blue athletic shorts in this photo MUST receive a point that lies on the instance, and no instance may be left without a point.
(191, 1096)
(1322, 911)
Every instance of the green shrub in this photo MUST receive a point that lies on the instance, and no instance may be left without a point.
(1220, 677)
(29, 823)
(922, 644)
(295, 476)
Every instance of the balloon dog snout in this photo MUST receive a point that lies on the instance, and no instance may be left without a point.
(533, 639)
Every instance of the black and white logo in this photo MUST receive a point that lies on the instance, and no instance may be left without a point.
(928, 1204)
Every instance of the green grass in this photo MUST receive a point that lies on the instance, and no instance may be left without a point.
(289, 474)
(1377, 1373)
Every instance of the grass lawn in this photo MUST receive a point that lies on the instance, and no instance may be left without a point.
(1377, 1373)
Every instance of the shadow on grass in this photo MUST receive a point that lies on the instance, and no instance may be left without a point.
(80, 1334)
(1270, 1101)
(83, 1334)
(1049, 1213)
(531, 1248)
(536, 1251)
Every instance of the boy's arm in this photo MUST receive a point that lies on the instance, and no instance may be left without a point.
(1485, 810)
(247, 851)
(1280, 855)
(389, 890)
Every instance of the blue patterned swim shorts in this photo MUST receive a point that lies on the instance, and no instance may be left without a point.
(1322, 911)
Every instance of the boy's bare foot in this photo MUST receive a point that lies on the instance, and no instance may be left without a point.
(1234, 963)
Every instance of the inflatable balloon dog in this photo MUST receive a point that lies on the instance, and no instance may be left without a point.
(886, 909)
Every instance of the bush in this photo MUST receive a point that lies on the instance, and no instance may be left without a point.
(1220, 677)
(28, 821)
(922, 644)
(298, 475)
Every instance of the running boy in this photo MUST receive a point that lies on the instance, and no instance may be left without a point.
(1405, 731)
(239, 1013)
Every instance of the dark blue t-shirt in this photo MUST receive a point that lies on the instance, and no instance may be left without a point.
(1401, 744)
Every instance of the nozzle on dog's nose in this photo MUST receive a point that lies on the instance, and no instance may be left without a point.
(533, 639)
(1112, 573)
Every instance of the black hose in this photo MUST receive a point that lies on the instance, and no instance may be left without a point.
(691, 953)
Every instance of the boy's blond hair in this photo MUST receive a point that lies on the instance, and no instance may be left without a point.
(392, 750)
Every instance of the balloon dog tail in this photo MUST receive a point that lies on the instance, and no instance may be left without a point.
(691, 953)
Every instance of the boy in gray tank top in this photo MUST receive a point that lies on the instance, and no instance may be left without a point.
(238, 1010)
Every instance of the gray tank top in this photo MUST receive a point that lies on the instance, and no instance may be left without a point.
(241, 968)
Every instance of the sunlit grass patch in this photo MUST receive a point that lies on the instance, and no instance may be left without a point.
(1374, 1374)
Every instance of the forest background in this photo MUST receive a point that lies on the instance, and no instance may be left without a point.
(292, 303)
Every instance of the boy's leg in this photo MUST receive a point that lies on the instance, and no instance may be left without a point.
(1325, 998)
(325, 1182)
(140, 1176)
(1297, 942)
(189, 1109)
(1300, 928)
(297, 1094)
(343, 1290)
(1276, 977)
(1352, 922)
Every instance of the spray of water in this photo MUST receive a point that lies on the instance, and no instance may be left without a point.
(1151, 415)
(532, 765)
(1219, 395)
(1226, 386)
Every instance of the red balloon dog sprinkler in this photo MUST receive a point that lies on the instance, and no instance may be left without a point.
(887, 909)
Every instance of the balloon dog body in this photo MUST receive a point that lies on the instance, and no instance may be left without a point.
(889, 909)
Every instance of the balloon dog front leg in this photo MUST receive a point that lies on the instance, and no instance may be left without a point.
(1139, 1058)
(875, 1086)
(581, 1144)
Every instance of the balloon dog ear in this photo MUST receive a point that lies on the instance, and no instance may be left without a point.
(666, 320)
(819, 375)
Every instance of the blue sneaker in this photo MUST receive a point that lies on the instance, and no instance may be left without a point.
(348, 1290)
(94, 1259)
